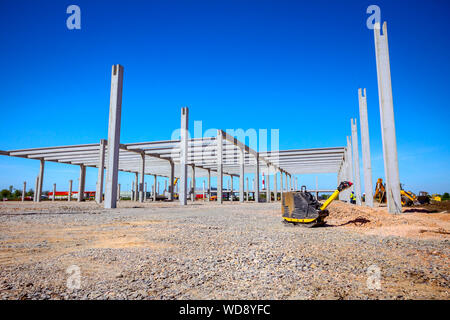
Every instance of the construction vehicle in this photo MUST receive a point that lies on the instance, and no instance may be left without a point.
(436, 197)
(380, 191)
(301, 207)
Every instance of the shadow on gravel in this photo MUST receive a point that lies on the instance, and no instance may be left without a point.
(420, 210)
(42, 213)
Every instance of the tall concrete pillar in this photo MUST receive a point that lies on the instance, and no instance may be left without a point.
(268, 195)
(141, 183)
(145, 191)
(81, 184)
(24, 190)
(54, 192)
(132, 190)
(365, 145)
(115, 111)
(69, 196)
(136, 186)
(241, 174)
(204, 191)
(355, 143)
(193, 184)
(246, 195)
(281, 185)
(165, 186)
(257, 178)
(275, 187)
(41, 179)
(36, 187)
(171, 181)
(118, 192)
(100, 176)
(231, 188)
(155, 191)
(387, 120)
(209, 184)
(219, 165)
(183, 155)
(349, 162)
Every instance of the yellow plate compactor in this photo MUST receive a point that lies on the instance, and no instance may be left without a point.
(300, 207)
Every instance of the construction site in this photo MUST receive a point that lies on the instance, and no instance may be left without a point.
(250, 230)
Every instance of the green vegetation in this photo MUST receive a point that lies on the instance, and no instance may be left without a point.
(446, 196)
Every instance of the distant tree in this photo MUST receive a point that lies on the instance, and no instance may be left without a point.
(5, 193)
(30, 193)
(446, 196)
(11, 189)
(17, 194)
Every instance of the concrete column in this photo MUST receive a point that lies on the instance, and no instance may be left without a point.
(275, 187)
(136, 186)
(41, 179)
(365, 146)
(349, 170)
(24, 190)
(81, 184)
(132, 191)
(118, 192)
(231, 189)
(171, 181)
(54, 192)
(141, 183)
(209, 184)
(145, 191)
(100, 175)
(387, 120)
(281, 185)
(155, 191)
(268, 195)
(204, 191)
(36, 187)
(219, 165)
(69, 196)
(241, 174)
(183, 155)
(193, 184)
(355, 156)
(115, 110)
(165, 186)
(257, 179)
(246, 196)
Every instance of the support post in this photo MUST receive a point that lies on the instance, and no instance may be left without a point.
(193, 184)
(268, 195)
(275, 187)
(115, 110)
(219, 165)
(355, 150)
(231, 189)
(118, 192)
(154, 187)
(81, 183)
(183, 155)
(145, 191)
(209, 184)
(36, 187)
(41, 179)
(24, 190)
(204, 192)
(246, 197)
(365, 145)
(172, 179)
(141, 183)
(349, 162)
(257, 178)
(54, 192)
(136, 186)
(100, 176)
(69, 196)
(241, 174)
(387, 119)
(281, 185)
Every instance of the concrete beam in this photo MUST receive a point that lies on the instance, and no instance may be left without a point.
(365, 145)
(115, 112)
(387, 120)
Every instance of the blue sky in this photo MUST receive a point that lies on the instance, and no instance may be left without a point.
(290, 65)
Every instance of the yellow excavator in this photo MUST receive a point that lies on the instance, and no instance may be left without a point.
(408, 198)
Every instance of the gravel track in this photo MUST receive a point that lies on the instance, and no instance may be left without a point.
(205, 251)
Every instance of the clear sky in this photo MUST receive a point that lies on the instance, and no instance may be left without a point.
(290, 65)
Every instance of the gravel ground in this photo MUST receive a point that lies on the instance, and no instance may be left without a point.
(206, 251)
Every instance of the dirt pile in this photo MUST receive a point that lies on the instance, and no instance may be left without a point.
(415, 222)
